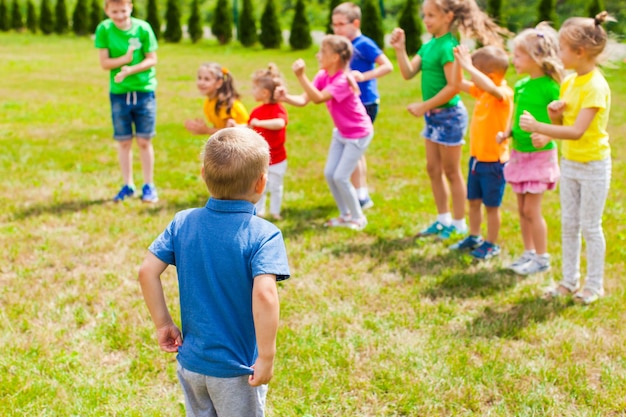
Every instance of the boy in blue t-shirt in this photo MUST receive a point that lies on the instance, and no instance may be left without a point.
(127, 48)
(228, 261)
(368, 63)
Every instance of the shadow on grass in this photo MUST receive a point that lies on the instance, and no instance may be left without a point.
(477, 280)
(58, 208)
(510, 321)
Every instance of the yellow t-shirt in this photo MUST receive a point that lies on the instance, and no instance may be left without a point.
(238, 113)
(489, 117)
(582, 92)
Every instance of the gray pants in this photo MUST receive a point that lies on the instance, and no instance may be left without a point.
(343, 157)
(207, 396)
(584, 188)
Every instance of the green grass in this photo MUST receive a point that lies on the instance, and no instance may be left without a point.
(372, 323)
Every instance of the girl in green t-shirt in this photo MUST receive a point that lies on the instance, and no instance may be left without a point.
(444, 113)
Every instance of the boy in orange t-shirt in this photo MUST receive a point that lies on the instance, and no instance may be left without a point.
(492, 112)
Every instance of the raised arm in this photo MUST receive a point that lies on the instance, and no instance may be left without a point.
(408, 67)
(480, 79)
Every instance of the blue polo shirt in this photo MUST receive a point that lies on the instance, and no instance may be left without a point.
(217, 251)
(365, 52)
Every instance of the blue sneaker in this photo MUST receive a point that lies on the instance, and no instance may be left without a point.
(149, 194)
(433, 230)
(366, 203)
(470, 242)
(451, 231)
(486, 251)
(126, 191)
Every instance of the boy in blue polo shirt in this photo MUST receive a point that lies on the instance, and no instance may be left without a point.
(228, 261)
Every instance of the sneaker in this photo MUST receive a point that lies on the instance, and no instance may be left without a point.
(451, 231)
(433, 230)
(536, 265)
(470, 242)
(126, 191)
(149, 194)
(356, 224)
(366, 203)
(521, 261)
(486, 251)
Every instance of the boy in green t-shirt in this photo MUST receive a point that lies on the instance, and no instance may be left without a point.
(127, 47)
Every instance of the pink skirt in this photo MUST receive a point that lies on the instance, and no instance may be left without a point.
(532, 172)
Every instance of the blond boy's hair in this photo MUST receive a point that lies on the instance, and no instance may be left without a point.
(107, 2)
(234, 159)
(350, 10)
(491, 59)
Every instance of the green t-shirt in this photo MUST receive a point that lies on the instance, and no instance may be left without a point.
(435, 54)
(108, 36)
(532, 95)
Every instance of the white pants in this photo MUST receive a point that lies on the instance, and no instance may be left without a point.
(584, 188)
(275, 180)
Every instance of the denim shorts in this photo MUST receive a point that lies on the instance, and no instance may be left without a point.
(133, 108)
(372, 110)
(446, 126)
(485, 182)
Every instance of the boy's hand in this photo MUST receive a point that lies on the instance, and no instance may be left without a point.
(527, 122)
(298, 67)
(169, 338)
(358, 76)
(417, 109)
(196, 126)
(263, 372)
(397, 39)
(463, 56)
(555, 109)
(539, 140)
(231, 123)
(501, 137)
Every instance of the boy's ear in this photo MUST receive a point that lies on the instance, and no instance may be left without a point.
(357, 23)
(259, 186)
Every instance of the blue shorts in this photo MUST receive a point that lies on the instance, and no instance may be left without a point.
(446, 126)
(133, 108)
(485, 182)
(372, 110)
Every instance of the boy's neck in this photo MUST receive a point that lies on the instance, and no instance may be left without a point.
(356, 35)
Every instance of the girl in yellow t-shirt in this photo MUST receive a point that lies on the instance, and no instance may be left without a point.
(222, 107)
(580, 118)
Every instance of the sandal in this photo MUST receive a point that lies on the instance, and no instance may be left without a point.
(337, 221)
(557, 291)
(587, 296)
(356, 224)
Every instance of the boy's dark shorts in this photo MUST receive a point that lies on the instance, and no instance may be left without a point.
(485, 181)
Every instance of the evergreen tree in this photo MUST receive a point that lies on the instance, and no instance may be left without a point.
(173, 31)
(61, 22)
(412, 26)
(95, 15)
(300, 36)
(595, 7)
(271, 36)
(329, 26)
(153, 18)
(31, 17)
(547, 12)
(194, 24)
(46, 18)
(5, 25)
(494, 10)
(222, 27)
(247, 24)
(17, 21)
(80, 18)
(372, 22)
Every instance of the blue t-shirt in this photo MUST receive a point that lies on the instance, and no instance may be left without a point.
(218, 250)
(365, 52)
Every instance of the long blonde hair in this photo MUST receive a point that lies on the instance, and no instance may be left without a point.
(542, 44)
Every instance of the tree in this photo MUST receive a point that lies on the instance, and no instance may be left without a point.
(300, 36)
(95, 15)
(494, 10)
(31, 17)
(546, 10)
(153, 18)
(194, 24)
(372, 22)
(46, 18)
(173, 31)
(595, 7)
(61, 22)
(412, 27)
(80, 20)
(222, 27)
(329, 26)
(246, 32)
(4, 16)
(17, 21)
(271, 36)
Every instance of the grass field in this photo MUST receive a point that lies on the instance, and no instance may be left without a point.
(372, 323)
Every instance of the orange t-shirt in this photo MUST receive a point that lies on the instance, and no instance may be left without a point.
(490, 116)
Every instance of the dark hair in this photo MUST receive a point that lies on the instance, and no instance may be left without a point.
(226, 94)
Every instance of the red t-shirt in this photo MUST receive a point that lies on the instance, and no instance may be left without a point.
(275, 138)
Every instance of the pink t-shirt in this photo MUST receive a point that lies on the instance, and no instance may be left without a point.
(345, 107)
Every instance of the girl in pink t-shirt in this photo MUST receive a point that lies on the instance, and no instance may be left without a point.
(353, 132)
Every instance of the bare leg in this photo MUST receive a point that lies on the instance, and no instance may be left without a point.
(146, 154)
(451, 163)
(475, 216)
(493, 223)
(438, 186)
(125, 157)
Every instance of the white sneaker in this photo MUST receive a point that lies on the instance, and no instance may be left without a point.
(521, 261)
(536, 265)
